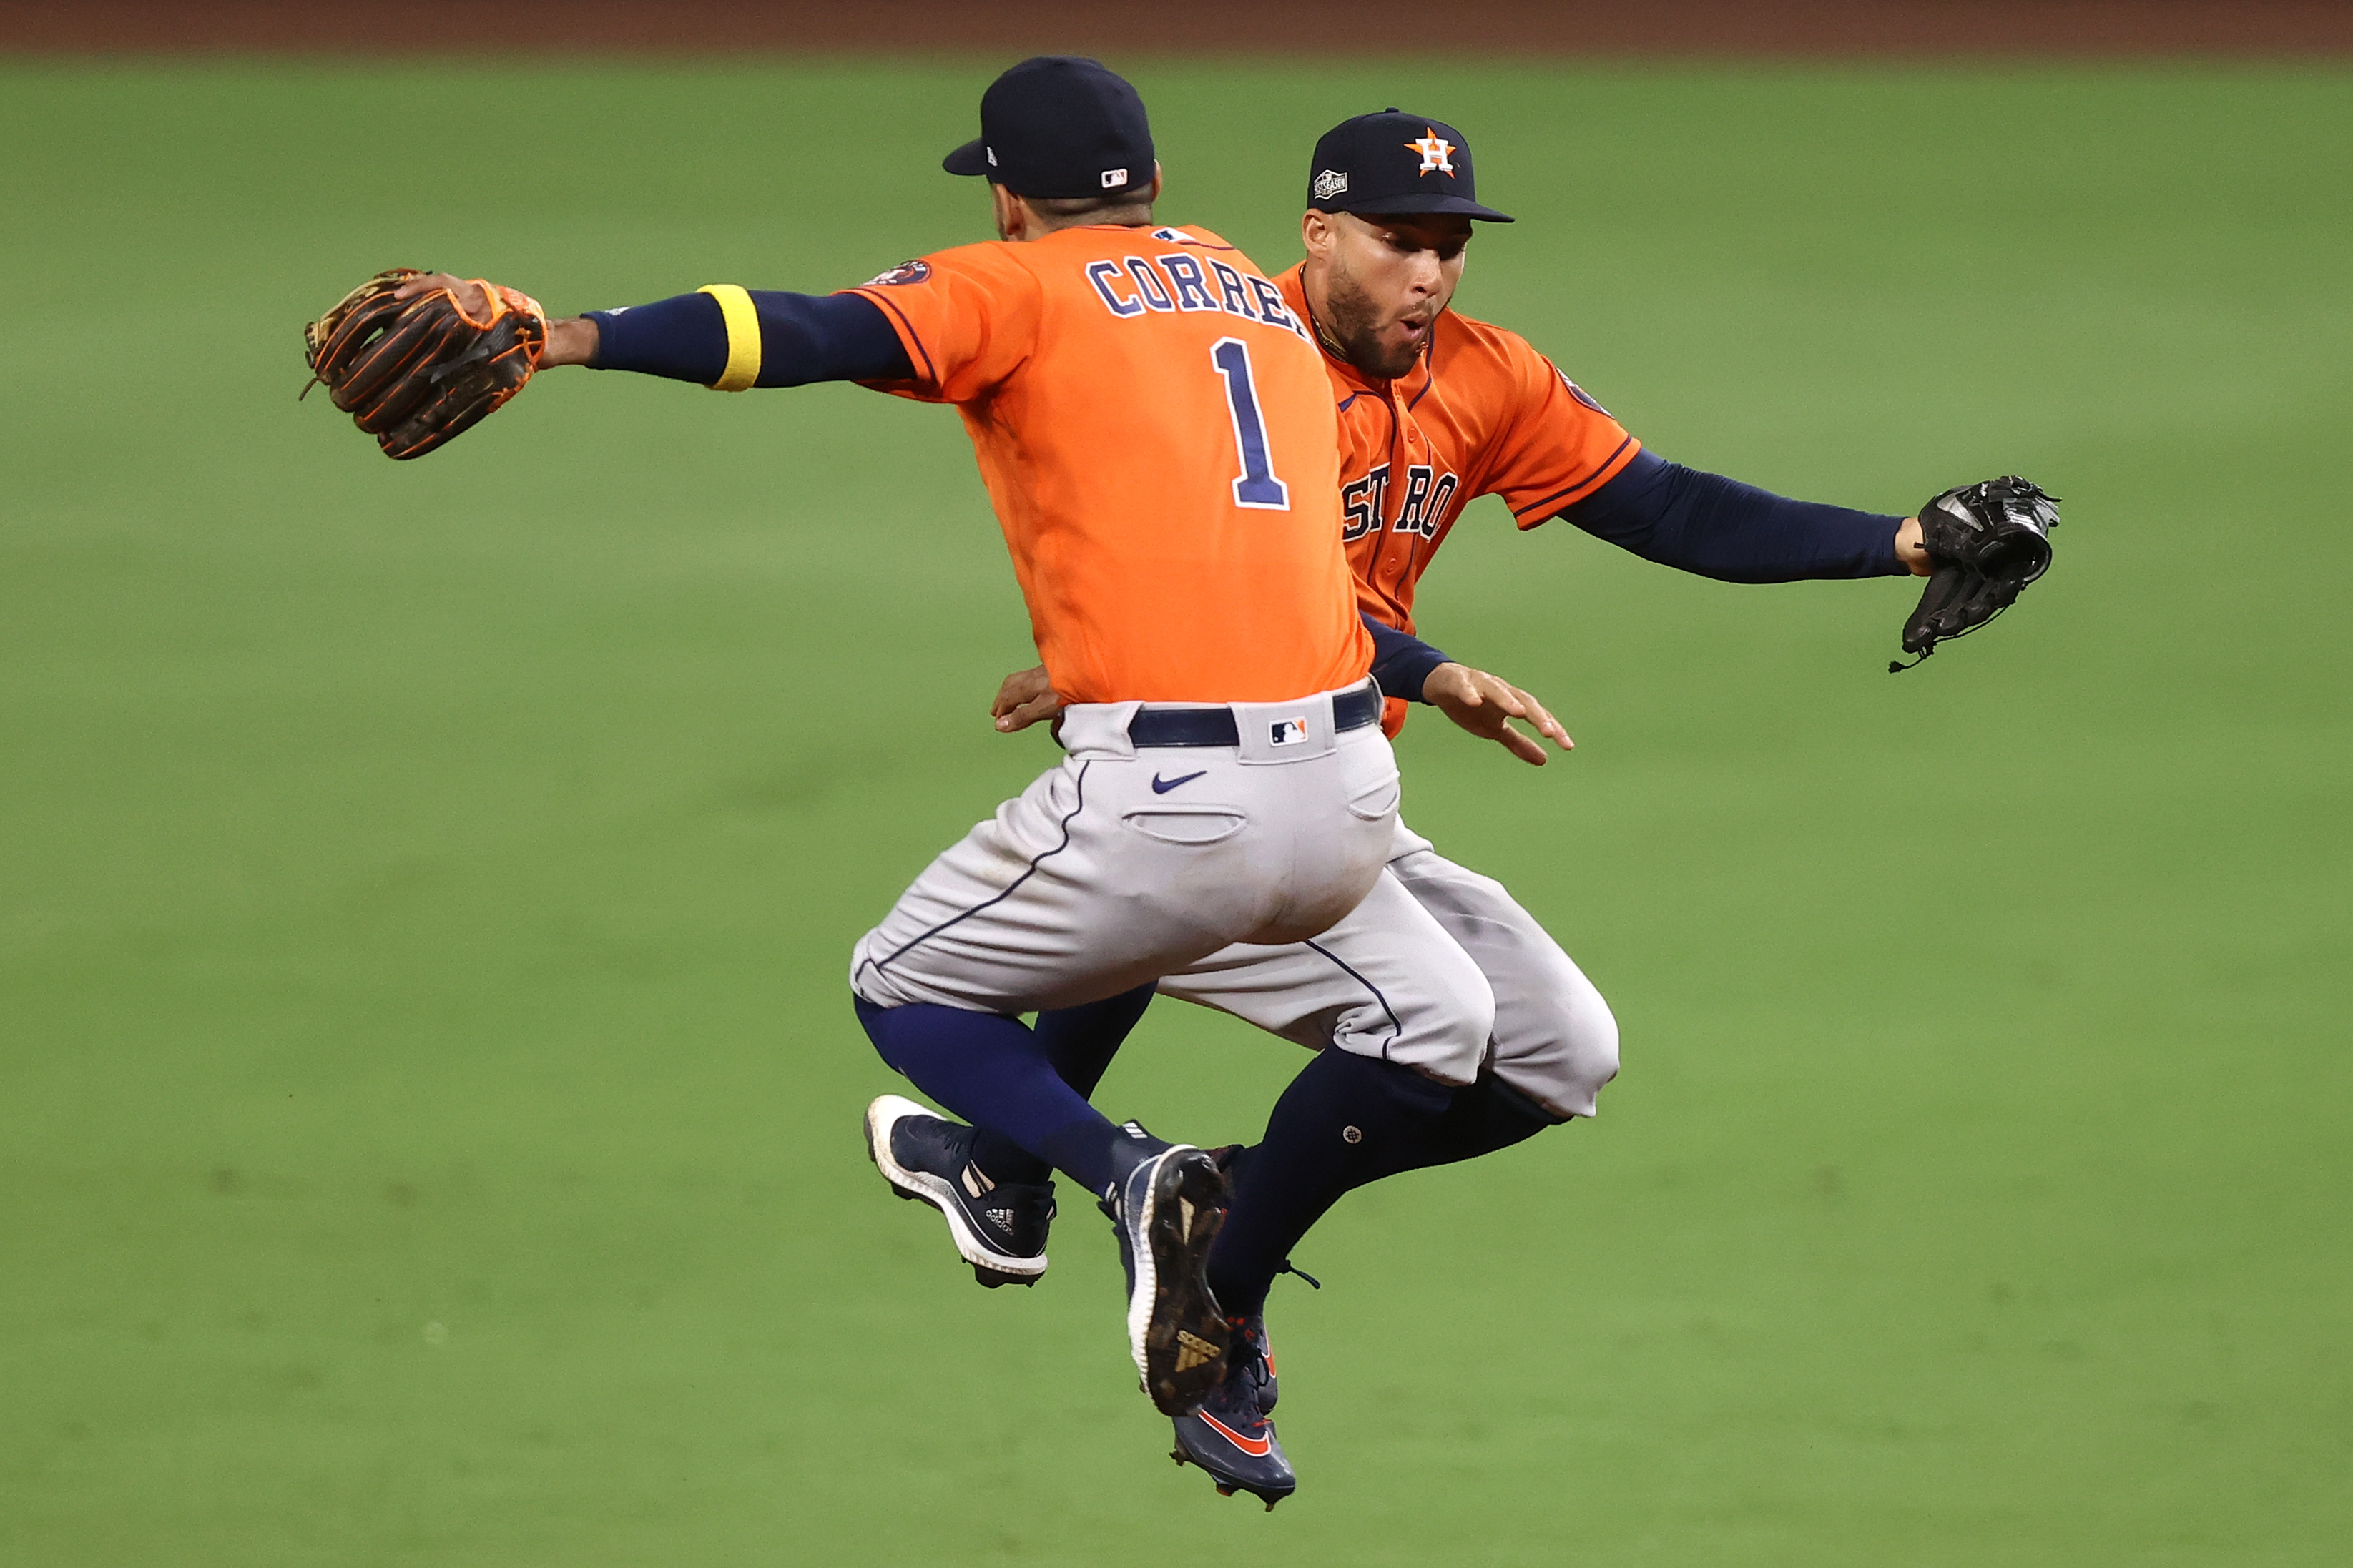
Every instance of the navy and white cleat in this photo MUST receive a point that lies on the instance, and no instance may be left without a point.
(1167, 1210)
(1260, 1365)
(1229, 1435)
(998, 1227)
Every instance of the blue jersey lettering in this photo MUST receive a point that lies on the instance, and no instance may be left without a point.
(1101, 274)
(1362, 502)
(1235, 297)
(1148, 282)
(1192, 286)
(1271, 307)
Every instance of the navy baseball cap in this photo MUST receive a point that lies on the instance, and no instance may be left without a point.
(1060, 126)
(1394, 163)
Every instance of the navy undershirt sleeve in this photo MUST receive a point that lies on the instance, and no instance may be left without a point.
(1723, 529)
(804, 338)
(1402, 662)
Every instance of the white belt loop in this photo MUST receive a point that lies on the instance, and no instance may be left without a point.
(1097, 728)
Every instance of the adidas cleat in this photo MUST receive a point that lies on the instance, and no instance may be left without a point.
(998, 1227)
(1229, 1435)
(1167, 1209)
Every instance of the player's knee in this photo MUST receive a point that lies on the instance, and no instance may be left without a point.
(1591, 1034)
(1560, 1049)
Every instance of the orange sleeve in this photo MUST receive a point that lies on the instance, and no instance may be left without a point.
(1560, 445)
(967, 319)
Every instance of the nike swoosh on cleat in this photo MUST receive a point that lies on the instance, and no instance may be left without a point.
(1256, 1448)
(1161, 787)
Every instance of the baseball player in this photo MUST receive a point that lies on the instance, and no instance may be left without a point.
(1227, 779)
(1435, 409)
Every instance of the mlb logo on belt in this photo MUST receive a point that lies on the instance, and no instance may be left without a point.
(1287, 731)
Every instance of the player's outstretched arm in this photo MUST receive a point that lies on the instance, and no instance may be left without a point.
(725, 337)
(1716, 527)
(418, 358)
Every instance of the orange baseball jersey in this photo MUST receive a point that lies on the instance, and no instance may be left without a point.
(1156, 433)
(1482, 414)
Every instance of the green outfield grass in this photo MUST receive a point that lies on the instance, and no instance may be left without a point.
(428, 1087)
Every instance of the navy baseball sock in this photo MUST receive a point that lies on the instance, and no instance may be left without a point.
(1487, 1115)
(992, 1071)
(1081, 1042)
(1344, 1121)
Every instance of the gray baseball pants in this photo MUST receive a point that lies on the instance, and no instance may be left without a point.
(1439, 969)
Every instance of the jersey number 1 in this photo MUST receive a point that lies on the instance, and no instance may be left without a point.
(1258, 486)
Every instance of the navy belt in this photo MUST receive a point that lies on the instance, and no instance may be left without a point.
(1351, 710)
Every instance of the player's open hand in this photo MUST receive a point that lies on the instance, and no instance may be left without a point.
(1026, 696)
(472, 298)
(1485, 706)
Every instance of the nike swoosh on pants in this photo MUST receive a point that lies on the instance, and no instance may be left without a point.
(1161, 787)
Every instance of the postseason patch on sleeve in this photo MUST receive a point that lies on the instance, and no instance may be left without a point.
(905, 272)
(1584, 396)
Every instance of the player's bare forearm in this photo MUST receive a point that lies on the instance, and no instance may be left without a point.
(1911, 551)
(1485, 705)
(572, 341)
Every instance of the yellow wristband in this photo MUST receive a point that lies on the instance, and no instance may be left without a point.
(743, 336)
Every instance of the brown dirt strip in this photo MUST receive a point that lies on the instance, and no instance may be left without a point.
(1818, 28)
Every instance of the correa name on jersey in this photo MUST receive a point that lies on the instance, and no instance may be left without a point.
(1133, 286)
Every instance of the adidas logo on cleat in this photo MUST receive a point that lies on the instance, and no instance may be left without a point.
(1193, 1351)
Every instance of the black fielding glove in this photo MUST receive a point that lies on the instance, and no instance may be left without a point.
(1987, 541)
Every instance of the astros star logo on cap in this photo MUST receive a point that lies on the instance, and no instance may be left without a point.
(1436, 153)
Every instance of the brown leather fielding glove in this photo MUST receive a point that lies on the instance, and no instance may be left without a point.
(415, 372)
(1989, 541)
